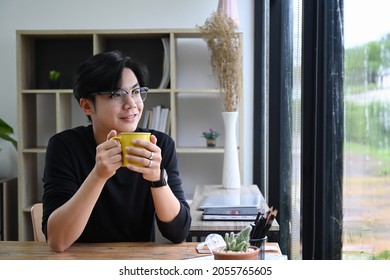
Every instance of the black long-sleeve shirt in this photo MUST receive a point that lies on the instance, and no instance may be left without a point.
(124, 210)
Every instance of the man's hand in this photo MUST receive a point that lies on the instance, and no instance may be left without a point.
(108, 156)
(149, 157)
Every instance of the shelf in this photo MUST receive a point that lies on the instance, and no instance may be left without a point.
(46, 91)
(196, 91)
(181, 150)
(37, 150)
(198, 150)
(151, 91)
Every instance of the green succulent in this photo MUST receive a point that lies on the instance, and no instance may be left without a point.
(238, 242)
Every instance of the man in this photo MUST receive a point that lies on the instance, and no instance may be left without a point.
(88, 196)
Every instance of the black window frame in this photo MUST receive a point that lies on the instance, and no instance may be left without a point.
(322, 121)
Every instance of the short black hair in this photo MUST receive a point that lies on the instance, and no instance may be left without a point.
(103, 72)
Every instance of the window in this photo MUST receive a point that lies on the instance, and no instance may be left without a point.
(366, 185)
(322, 114)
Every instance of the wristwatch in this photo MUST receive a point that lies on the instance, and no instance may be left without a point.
(163, 179)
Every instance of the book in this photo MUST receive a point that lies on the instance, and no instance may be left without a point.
(145, 122)
(230, 214)
(168, 127)
(150, 121)
(156, 117)
(230, 201)
(163, 119)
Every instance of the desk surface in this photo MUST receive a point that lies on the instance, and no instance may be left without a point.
(220, 226)
(33, 250)
(29, 250)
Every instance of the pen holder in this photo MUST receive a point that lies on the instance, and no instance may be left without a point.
(259, 243)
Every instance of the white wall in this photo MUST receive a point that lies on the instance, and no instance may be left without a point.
(115, 14)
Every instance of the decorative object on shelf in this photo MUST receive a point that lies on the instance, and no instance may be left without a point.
(211, 137)
(231, 168)
(237, 247)
(8, 157)
(224, 45)
(54, 79)
(166, 65)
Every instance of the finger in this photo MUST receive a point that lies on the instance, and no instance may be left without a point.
(111, 134)
(153, 139)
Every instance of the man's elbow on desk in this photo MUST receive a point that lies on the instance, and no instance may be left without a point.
(57, 246)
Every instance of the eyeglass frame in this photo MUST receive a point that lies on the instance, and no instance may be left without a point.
(123, 92)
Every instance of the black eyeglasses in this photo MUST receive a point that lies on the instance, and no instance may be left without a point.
(120, 96)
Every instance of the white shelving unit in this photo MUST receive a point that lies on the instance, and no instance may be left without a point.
(191, 95)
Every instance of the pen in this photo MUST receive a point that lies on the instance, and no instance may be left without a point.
(258, 227)
(269, 222)
(263, 223)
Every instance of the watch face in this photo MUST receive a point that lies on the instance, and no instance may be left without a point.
(164, 174)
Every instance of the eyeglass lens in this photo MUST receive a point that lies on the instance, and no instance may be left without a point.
(121, 96)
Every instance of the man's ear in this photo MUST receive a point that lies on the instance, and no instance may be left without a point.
(87, 106)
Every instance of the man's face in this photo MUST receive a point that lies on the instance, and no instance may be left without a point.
(118, 113)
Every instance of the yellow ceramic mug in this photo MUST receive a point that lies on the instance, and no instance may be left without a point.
(126, 139)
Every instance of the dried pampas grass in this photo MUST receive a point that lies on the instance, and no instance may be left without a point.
(219, 32)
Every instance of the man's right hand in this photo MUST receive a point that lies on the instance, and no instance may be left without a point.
(108, 156)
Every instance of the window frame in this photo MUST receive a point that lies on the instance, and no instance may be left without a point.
(322, 121)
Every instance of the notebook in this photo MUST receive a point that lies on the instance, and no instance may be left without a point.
(231, 201)
(230, 214)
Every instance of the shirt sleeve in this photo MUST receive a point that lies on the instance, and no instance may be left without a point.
(57, 179)
(177, 230)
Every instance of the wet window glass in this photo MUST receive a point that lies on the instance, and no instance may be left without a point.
(366, 195)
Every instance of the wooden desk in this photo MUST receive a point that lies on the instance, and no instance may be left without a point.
(33, 250)
(30, 250)
(200, 228)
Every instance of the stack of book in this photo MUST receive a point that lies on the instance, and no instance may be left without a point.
(158, 118)
(230, 214)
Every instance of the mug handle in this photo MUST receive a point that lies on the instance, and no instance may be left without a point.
(116, 138)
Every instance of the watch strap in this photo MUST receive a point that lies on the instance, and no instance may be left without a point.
(163, 180)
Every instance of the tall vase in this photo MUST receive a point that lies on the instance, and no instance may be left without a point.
(229, 8)
(231, 168)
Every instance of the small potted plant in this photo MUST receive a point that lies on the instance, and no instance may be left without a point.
(211, 137)
(237, 247)
(54, 79)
